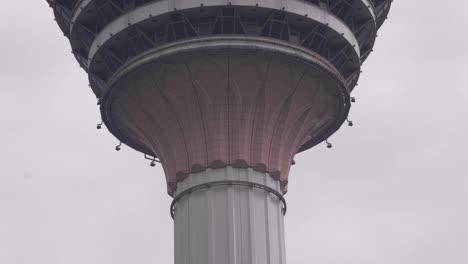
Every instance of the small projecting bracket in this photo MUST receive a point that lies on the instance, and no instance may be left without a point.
(153, 160)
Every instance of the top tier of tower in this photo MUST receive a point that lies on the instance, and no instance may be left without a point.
(106, 34)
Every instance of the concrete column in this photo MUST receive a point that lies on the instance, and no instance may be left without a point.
(229, 224)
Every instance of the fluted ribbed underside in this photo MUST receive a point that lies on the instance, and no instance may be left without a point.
(224, 107)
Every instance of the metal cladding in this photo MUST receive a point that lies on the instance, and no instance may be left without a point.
(229, 223)
(209, 84)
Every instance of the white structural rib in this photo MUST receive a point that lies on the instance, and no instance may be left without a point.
(229, 224)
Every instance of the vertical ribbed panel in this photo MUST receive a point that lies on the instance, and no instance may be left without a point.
(229, 224)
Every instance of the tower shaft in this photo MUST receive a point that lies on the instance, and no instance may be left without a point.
(224, 94)
(232, 224)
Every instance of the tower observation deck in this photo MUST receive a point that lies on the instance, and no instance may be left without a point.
(224, 94)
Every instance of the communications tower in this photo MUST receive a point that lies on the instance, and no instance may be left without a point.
(223, 94)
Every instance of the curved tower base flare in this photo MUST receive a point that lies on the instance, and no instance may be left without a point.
(225, 101)
(229, 224)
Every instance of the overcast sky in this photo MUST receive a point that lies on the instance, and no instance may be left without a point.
(394, 189)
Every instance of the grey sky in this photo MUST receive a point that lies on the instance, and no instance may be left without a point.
(394, 189)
